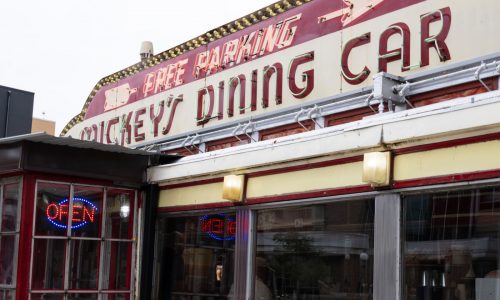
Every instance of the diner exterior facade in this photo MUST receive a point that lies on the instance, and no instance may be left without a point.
(331, 150)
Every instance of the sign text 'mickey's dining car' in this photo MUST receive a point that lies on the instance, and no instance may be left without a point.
(323, 149)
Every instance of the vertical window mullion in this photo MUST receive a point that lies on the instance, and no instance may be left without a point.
(18, 181)
(68, 241)
(134, 245)
(19, 204)
(1, 205)
(1, 213)
(33, 240)
(103, 241)
(252, 235)
(387, 247)
(244, 254)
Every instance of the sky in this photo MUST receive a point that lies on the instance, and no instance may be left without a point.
(59, 49)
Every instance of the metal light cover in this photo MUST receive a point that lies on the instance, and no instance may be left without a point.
(377, 168)
(233, 187)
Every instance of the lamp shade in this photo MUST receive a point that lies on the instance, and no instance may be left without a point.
(233, 187)
(377, 168)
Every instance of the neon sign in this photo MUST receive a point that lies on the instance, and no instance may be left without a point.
(219, 227)
(83, 213)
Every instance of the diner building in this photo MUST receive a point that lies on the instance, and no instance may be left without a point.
(309, 150)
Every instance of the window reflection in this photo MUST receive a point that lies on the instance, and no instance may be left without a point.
(119, 220)
(117, 265)
(10, 207)
(86, 211)
(84, 264)
(196, 257)
(7, 258)
(48, 264)
(7, 294)
(9, 236)
(315, 252)
(94, 253)
(52, 209)
(452, 245)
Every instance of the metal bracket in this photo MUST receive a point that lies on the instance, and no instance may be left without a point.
(309, 114)
(383, 91)
(250, 125)
(314, 110)
(297, 116)
(477, 75)
(235, 131)
(244, 129)
(403, 92)
(189, 141)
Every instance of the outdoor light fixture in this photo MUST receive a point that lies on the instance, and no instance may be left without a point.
(233, 187)
(124, 207)
(377, 168)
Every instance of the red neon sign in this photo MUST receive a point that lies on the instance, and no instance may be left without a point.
(219, 227)
(83, 212)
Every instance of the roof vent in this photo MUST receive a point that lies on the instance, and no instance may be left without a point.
(146, 50)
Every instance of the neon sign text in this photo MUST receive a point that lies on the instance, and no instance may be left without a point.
(219, 227)
(83, 213)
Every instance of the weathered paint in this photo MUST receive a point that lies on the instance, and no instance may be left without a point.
(220, 82)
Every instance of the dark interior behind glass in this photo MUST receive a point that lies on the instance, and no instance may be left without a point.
(195, 257)
(452, 245)
(315, 252)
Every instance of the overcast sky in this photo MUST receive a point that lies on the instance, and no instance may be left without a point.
(59, 49)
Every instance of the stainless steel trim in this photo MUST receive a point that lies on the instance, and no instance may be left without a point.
(33, 239)
(251, 244)
(387, 247)
(102, 244)
(425, 81)
(241, 251)
(69, 246)
(134, 245)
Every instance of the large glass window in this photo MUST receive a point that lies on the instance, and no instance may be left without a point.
(452, 246)
(83, 242)
(315, 252)
(10, 203)
(195, 257)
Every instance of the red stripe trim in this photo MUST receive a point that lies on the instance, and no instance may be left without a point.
(181, 208)
(192, 183)
(308, 195)
(409, 183)
(447, 179)
(448, 144)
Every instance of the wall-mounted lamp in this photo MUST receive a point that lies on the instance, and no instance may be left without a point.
(124, 207)
(233, 187)
(377, 168)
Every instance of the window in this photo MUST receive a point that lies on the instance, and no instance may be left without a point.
(452, 243)
(195, 257)
(83, 242)
(315, 252)
(10, 202)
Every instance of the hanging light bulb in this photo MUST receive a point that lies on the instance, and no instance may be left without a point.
(124, 207)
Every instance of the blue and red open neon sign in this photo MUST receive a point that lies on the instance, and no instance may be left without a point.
(83, 213)
(219, 227)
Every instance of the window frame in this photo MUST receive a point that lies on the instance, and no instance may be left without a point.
(4, 288)
(102, 239)
(432, 189)
(245, 242)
